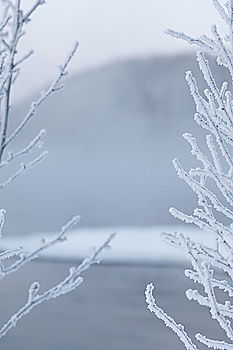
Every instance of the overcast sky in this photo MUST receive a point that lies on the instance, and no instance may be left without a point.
(107, 30)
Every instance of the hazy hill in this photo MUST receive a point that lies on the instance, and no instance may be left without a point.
(112, 134)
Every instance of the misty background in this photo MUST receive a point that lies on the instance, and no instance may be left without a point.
(115, 128)
(111, 136)
(107, 31)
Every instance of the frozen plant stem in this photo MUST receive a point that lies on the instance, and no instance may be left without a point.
(13, 22)
(69, 283)
(214, 212)
(24, 258)
(168, 320)
(12, 29)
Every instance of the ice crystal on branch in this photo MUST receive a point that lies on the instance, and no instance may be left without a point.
(212, 182)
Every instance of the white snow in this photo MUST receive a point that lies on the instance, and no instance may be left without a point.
(131, 245)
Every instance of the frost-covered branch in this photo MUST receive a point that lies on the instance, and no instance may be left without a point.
(69, 283)
(23, 168)
(25, 258)
(26, 16)
(212, 181)
(12, 29)
(55, 86)
(37, 141)
(13, 21)
(168, 320)
(214, 344)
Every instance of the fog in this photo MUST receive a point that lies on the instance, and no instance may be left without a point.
(111, 135)
(107, 31)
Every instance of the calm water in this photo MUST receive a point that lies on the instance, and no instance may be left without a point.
(107, 312)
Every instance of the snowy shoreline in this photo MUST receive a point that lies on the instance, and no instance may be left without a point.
(132, 245)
